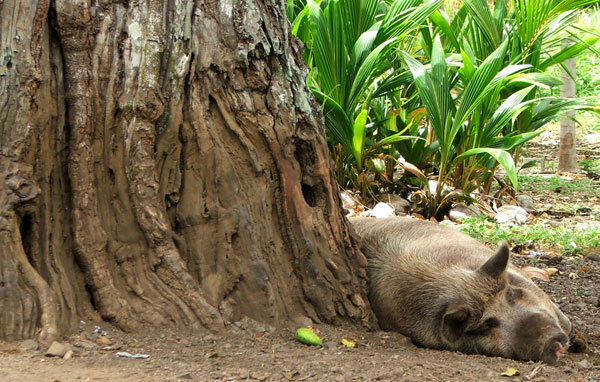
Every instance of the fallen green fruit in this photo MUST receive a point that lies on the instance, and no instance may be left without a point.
(307, 336)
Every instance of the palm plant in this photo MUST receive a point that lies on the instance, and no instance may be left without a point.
(478, 124)
(535, 31)
(470, 129)
(351, 55)
(399, 78)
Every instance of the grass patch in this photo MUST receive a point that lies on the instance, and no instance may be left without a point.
(557, 184)
(590, 165)
(567, 240)
(558, 194)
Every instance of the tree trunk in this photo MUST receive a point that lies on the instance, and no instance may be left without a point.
(162, 163)
(567, 156)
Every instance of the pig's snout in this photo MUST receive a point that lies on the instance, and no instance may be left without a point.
(542, 328)
(555, 348)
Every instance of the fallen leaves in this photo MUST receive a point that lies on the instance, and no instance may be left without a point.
(510, 372)
(348, 343)
(534, 272)
(534, 372)
(539, 273)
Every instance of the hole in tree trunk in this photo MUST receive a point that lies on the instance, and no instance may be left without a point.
(88, 289)
(304, 154)
(26, 230)
(309, 193)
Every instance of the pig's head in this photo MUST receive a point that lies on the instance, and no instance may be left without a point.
(500, 312)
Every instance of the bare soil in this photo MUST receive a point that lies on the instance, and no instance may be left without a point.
(251, 352)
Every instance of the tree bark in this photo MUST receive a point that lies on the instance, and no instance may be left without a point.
(163, 163)
(567, 156)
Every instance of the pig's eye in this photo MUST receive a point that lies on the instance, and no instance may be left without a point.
(492, 322)
(484, 328)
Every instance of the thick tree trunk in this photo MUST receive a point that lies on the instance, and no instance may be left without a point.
(162, 163)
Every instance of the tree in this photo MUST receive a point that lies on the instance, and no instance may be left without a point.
(567, 155)
(162, 163)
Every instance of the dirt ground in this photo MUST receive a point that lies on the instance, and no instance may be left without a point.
(254, 353)
(250, 352)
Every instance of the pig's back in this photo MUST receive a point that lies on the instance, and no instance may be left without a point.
(390, 238)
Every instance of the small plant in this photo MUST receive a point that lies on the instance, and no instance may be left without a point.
(569, 240)
(590, 165)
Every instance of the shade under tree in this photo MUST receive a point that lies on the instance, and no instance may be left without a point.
(162, 163)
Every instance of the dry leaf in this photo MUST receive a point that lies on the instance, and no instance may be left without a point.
(348, 343)
(539, 273)
(551, 271)
(534, 372)
(511, 372)
(573, 276)
(356, 211)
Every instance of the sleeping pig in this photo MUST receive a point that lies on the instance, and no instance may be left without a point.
(446, 290)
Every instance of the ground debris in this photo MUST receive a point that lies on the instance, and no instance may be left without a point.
(125, 354)
(58, 349)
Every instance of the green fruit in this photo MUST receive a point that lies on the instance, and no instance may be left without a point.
(307, 336)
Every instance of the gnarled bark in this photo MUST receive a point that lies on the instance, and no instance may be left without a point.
(162, 163)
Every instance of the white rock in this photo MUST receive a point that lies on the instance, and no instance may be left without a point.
(526, 202)
(124, 354)
(58, 349)
(591, 138)
(448, 223)
(511, 214)
(433, 185)
(382, 210)
(584, 364)
(29, 345)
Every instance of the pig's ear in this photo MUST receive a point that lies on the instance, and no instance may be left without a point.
(496, 265)
(455, 322)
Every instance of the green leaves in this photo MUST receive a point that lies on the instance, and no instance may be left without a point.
(502, 156)
(405, 16)
(358, 139)
(540, 21)
(328, 60)
(569, 51)
(447, 121)
(434, 90)
(350, 51)
(483, 82)
(399, 80)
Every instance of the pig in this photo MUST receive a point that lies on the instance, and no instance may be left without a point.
(445, 290)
